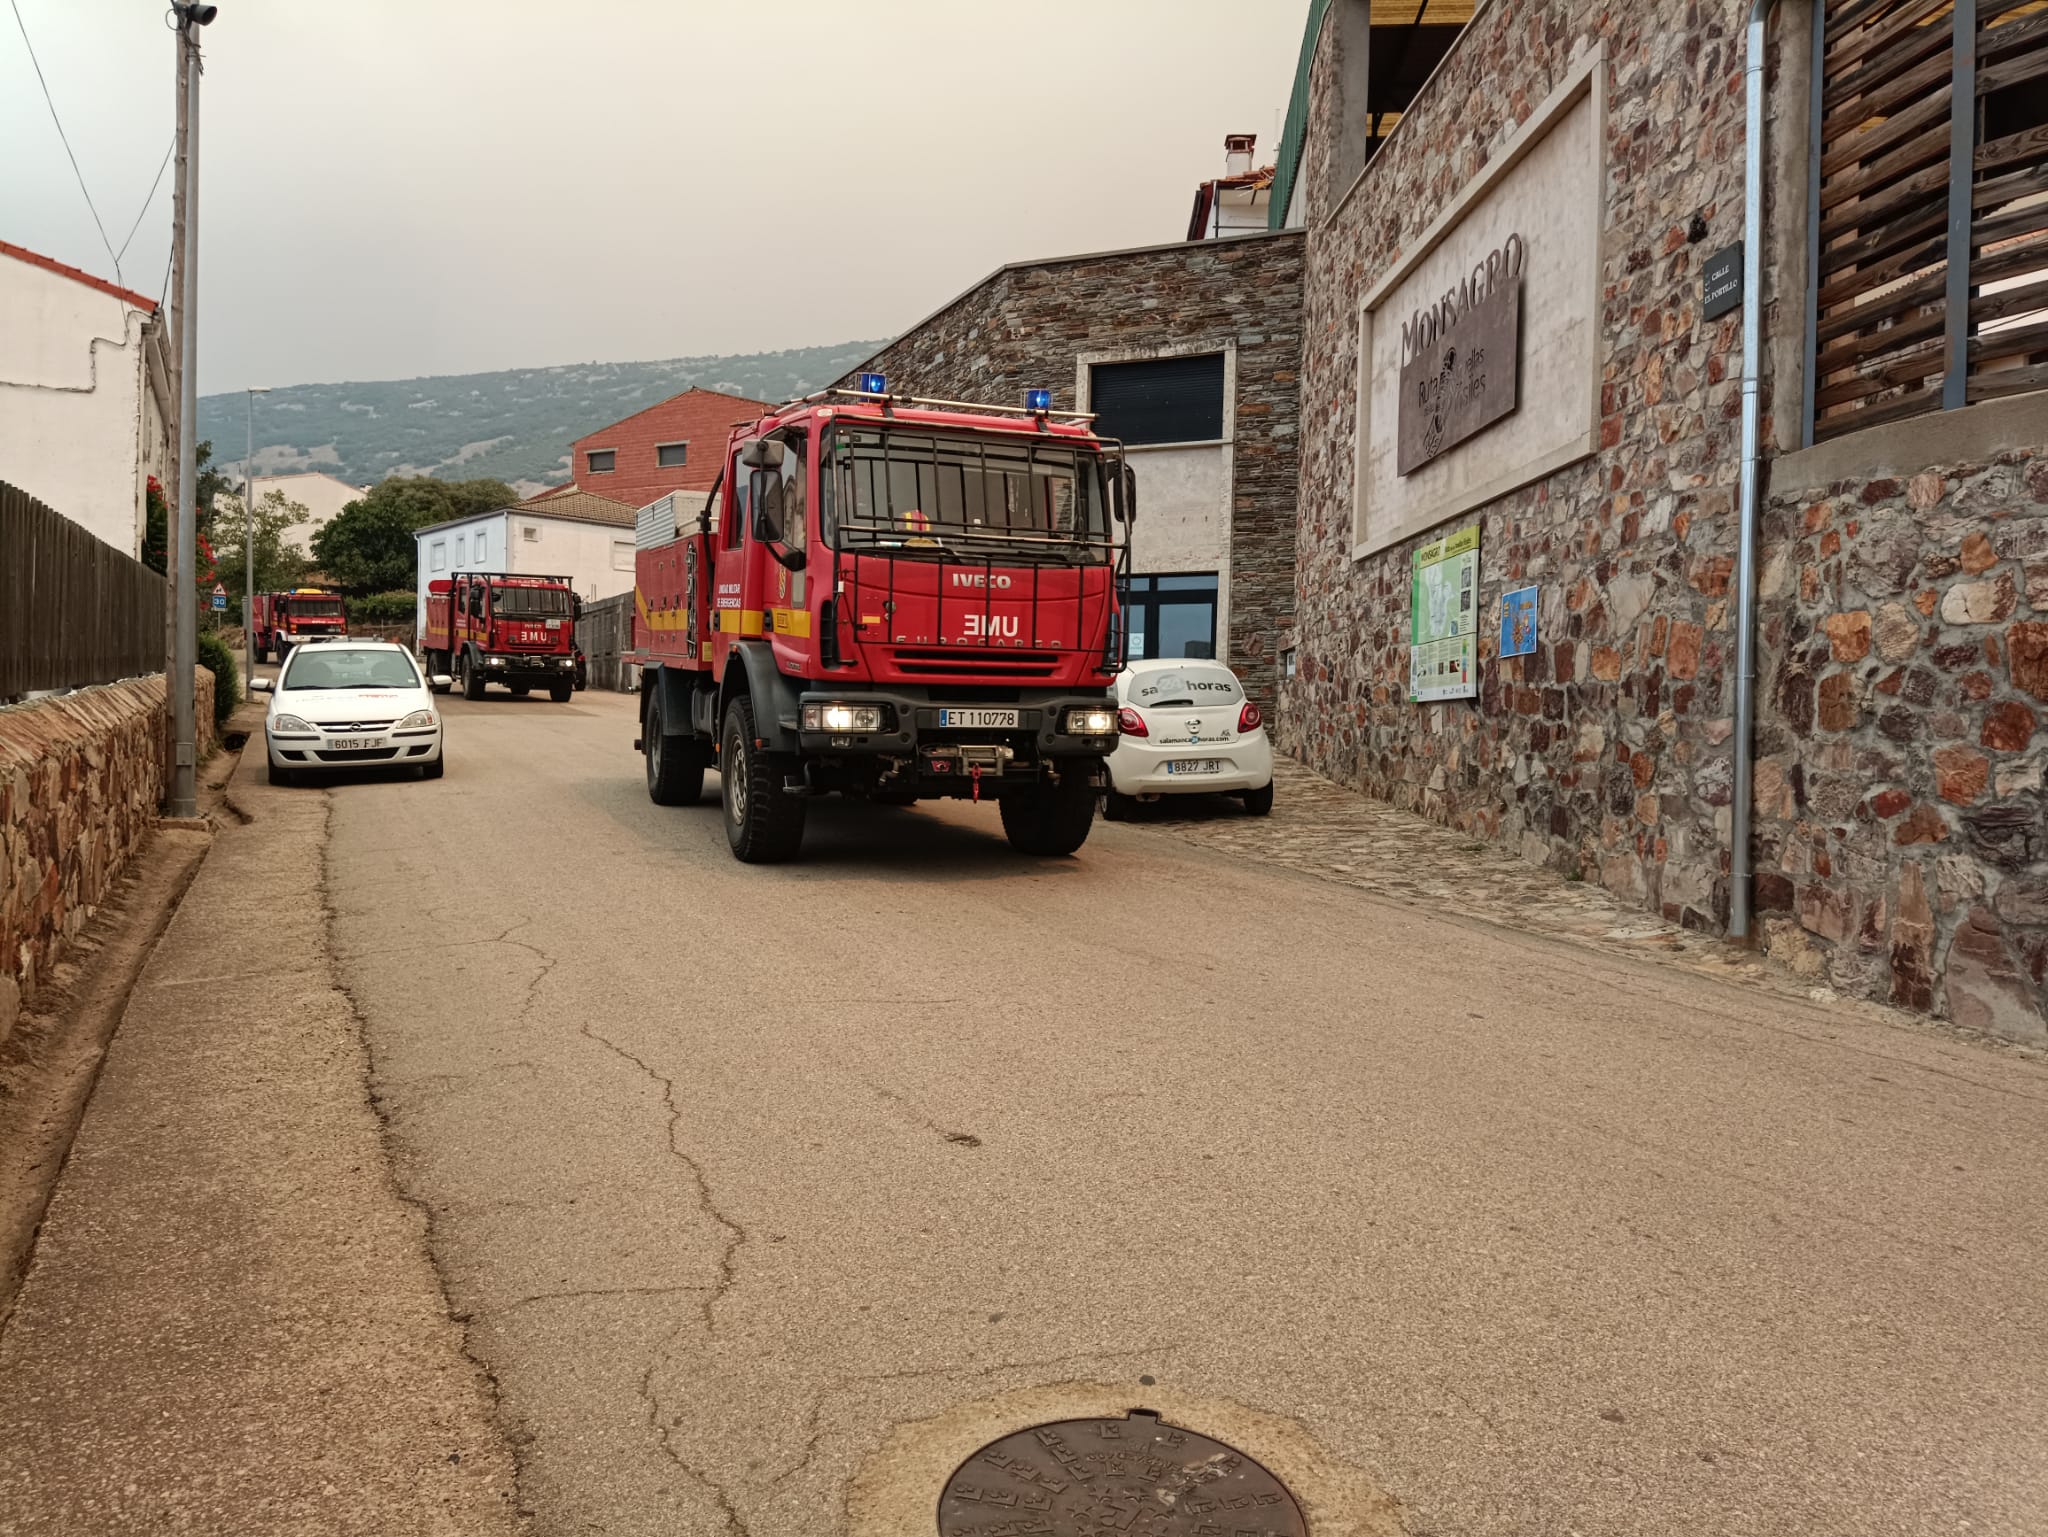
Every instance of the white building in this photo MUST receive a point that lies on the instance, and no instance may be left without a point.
(566, 532)
(85, 394)
(322, 495)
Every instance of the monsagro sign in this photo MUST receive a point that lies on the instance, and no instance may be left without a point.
(1459, 359)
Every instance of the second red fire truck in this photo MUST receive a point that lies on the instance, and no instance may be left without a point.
(890, 599)
(493, 627)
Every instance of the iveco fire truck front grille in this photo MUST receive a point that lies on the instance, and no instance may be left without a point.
(974, 662)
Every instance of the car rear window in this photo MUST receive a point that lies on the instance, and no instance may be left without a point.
(1178, 687)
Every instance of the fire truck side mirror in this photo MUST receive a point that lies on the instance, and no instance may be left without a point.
(762, 454)
(1123, 493)
(766, 488)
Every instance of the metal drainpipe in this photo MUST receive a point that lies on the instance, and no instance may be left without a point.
(1745, 559)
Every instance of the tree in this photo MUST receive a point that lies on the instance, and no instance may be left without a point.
(279, 565)
(156, 535)
(369, 545)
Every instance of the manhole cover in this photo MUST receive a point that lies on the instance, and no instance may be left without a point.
(1133, 1477)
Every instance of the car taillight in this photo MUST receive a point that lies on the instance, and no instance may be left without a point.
(1249, 718)
(1130, 722)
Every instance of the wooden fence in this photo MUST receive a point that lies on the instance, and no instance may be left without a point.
(73, 610)
(605, 630)
(1929, 207)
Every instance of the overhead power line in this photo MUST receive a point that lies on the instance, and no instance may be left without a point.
(169, 150)
(64, 137)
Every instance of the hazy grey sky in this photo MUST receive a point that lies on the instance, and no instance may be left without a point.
(404, 187)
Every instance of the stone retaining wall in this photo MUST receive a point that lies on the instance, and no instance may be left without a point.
(82, 777)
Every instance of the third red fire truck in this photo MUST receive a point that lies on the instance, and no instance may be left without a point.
(493, 627)
(282, 619)
(890, 599)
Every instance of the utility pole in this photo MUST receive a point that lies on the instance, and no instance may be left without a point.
(185, 597)
(249, 540)
(174, 489)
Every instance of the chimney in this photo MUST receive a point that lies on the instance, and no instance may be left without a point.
(1237, 153)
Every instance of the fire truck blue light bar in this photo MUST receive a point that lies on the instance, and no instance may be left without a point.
(873, 384)
(1038, 400)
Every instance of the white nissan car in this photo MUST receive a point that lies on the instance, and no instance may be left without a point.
(350, 705)
(1186, 728)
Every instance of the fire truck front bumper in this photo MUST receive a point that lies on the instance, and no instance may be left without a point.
(943, 735)
(512, 667)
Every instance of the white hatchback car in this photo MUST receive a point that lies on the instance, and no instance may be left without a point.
(350, 705)
(1187, 729)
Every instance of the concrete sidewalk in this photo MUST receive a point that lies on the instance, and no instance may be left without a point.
(231, 1324)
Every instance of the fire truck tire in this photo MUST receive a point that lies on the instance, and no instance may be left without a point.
(1051, 820)
(763, 825)
(560, 692)
(675, 764)
(472, 681)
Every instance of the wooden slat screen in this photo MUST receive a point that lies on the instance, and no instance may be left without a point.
(1885, 344)
(73, 610)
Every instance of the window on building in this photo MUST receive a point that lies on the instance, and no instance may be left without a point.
(622, 555)
(671, 456)
(602, 461)
(1171, 616)
(1159, 400)
(461, 550)
(530, 532)
(437, 555)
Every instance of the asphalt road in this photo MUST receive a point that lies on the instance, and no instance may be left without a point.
(744, 1176)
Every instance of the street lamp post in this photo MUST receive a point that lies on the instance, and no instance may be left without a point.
(249, 539)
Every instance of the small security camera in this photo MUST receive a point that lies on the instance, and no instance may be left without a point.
(199, 15)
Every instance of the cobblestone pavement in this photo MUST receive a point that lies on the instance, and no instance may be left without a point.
(1337, 834)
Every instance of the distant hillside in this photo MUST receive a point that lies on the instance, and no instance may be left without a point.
(514, 426)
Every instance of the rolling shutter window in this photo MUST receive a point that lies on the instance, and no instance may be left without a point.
(1161, 400)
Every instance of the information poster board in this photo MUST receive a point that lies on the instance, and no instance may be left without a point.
(1443, 619)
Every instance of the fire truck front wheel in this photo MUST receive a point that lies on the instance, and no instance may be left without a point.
(1052, 819)
(472, 680)
(675, 764)
(763, 825)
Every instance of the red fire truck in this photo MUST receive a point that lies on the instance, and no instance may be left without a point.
(493, 627)
(283, 619)
(893, 599)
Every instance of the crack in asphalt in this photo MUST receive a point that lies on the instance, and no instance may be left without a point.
(513, 1441)
(736, 1237)
(499, 1309)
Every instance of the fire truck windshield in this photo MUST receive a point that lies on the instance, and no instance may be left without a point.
(937, 495)
(316, 608)
(529, 602)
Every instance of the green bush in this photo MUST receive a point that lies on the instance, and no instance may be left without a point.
(218, 658)
(395, 607)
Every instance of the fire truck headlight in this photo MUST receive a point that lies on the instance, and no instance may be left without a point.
(1091, 722)
(291, 725)
(842, 717)
(419, 720)
(494, 661)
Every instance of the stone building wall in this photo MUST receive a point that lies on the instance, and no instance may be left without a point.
(1605, 753)
(1903, 672)
(1025, 326)
(82, 777)
(1899, 823)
